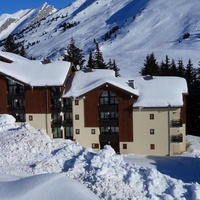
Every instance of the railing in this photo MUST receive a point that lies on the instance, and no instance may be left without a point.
(108, 137)
(176, 123)
(177, 138)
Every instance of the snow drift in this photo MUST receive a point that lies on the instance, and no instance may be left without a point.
(27, 152)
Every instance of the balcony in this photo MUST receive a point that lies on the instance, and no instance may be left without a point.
(108, 137)
(177, 138)
(176, 123)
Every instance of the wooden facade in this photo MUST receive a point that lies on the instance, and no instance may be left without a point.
(38, 100)
(3, 94)
(183, 110)
(125, 103)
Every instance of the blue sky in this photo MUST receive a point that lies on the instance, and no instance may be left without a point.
(12, 6)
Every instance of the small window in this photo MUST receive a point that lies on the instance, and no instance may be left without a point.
(30, 117)
(151, 116)
(76, 102)
(92, 131)
(124, 146)
(95, 145)
(152, 146)
(77, 131)
(76, 117)
(152, 132)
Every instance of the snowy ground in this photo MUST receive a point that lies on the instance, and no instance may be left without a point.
(32, 166)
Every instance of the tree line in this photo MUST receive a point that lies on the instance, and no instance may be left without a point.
(95, 61)
(72, 54)
(192, 76)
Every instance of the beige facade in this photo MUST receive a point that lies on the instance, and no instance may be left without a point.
(88, 137)
(40, 121)
(153, 132)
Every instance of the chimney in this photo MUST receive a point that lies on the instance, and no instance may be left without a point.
(131, 83)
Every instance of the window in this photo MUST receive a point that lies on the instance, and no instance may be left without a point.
(76, 117)
(55, 91)
(14, 88)
(56, 118)
(68, 117)
(68, 132)
(77, 131)
(67, 102)
(56, 103)
(151, 116)
(152, 146)
(109, 130)
(95, 145)
(30, 117)
(92, 131)
(152, 132)
(16, 104)
(76, 102)
(109, 115)
(57, 132)
(124, 146)
(108, 98)
(177, 138)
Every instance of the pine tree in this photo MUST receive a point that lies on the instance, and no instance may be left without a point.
(10, 45)
(173, 69)
(190, 74)
(181, 69)
(113, 66)
(74, 55)
(22, 51)
(150, 66)
(90, 63)
(98, 58)
(109, 64)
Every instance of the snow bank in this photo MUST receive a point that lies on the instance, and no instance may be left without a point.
(51, 187)
(25, 152)
(6, 122)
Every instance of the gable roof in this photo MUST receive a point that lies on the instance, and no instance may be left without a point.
(151, 91)
(84, 82)
(33, 72)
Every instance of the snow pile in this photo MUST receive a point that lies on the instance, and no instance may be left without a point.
(193, 146)
(25, 152)
(6, 122)
(45, 187)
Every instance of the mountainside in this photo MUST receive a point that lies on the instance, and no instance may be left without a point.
(126, 30)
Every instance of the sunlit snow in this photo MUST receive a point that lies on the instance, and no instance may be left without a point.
(33, 166)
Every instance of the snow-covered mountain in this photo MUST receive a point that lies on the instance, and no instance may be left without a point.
(126, 30)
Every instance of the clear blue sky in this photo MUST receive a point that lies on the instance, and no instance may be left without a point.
(12, 6)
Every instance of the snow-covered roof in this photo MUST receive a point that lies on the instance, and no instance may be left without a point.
(84, 82)
(151, 91)
(33, 72)
(160, 91)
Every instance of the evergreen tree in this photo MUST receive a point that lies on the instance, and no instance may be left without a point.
(162, 66)
(173, 69)
(181, 69)
(74, 55)
(22, 51)
(109, 64)
(10, 45)
(190, 74)
(98, 58)
(90, 63)
(113, 66)
(150, 66)
(165, 67)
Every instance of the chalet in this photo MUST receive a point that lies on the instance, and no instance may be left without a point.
(141, 115)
